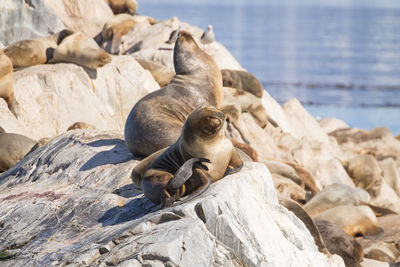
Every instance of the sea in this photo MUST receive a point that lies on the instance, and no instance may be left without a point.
(339, 58)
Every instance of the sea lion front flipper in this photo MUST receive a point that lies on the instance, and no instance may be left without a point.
(184, 173)
(251, 152)
(235, 164)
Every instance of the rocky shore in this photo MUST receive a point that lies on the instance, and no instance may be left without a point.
(71, 202)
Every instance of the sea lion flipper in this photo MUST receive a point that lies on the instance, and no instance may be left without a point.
(185, 172)
(116, 41)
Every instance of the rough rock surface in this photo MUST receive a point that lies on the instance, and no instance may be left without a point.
(21, 19)
(71, 202)
(55, 96)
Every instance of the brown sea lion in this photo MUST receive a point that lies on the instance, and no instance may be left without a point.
(340, 243)
(82, 50)
(242, 80)
(37, 51)
(354, 220)
(117, 27)
(13, 148)
(7, 81)
(122, 6)
(161, 74)
(80, 125)
(201, 155)
(156, 120)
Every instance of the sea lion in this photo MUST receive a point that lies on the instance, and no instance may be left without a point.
(156, 120)
(338, 242)
(122, 6)
(354, 220)
(161, 74)
(294, 207)
(82, 50)
(242, 80)
(80, 125)
(7, 81)
(117, 27)
(286, 188)
(37, 51)
(13, 148)
(201, 155)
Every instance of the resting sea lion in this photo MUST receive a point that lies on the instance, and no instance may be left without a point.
(338, 242)
(117, 27)
(122, 6)
(13, 148)
(7, 80)
(80, 125)
(243, 80)
(156, 120)
(82, 50)
(161, 74)
(201, 155)
(37, 51)
(354, 220)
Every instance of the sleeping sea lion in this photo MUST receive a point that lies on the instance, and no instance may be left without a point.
(117, 27)
(122, 6)
(242, 80)
(201, 155)
(13, 148)
(161, 74)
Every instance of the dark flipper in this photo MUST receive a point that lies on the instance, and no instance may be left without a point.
(230, 170)
(184, 173)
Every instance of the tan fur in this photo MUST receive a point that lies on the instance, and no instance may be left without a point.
(122, 6)
(13, 148)
(156, 120)
(80, 125)
(242, 80)
(6, 80)
(161, 74)
(82, 50)
(37, 51)
(354, 220)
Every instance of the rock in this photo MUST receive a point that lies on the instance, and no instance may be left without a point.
(329, 125)
(391, 174)
(52, 97)
(373, 263)
(75, 212)
(286, 188)
(87, 16)
(21, 19)
(382, 251)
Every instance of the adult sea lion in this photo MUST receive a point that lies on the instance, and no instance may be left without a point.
(7, 80)
(242, 80)
(82, 50)
(117, 27)
(201, 155)
(13, 148)
(156, 120)
(37, 51)
(122, 6)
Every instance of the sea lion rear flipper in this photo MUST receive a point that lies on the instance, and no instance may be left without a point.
(184, 173)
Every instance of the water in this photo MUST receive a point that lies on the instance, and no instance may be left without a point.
(340, 60)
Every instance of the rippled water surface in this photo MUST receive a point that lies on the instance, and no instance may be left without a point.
(340, 60)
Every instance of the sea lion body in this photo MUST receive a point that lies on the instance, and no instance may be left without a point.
(242, 80)
(354, 220)
(37, 51)
(156, 120)
(13, 148)
(117, 27)
(161, 74)
(202, 136)
(6, 80)
(122, 6)
(82, 50)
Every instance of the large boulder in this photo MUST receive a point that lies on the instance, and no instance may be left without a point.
(71, 202)
(52, 97)
(22, 20)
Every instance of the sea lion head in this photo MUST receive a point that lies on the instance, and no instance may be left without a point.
(204, 123)
(96, 58)
(188, 57)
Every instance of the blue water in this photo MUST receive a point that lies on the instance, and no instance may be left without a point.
(340, 60)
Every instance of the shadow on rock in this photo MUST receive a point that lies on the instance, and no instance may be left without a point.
(133, 210)
(118, 154)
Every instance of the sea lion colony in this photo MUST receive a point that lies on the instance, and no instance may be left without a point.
(180, 130)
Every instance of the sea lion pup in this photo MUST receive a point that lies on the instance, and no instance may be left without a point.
(117, 27)
(354, 220)
(37, 51)
(80, 125)
(156, 120)
(201, 155)
(7, 81)
(338, 242)
(294, 207)
(82, 50)
(242, 80)
(161, 74)
(13, 148)
(122, 6)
